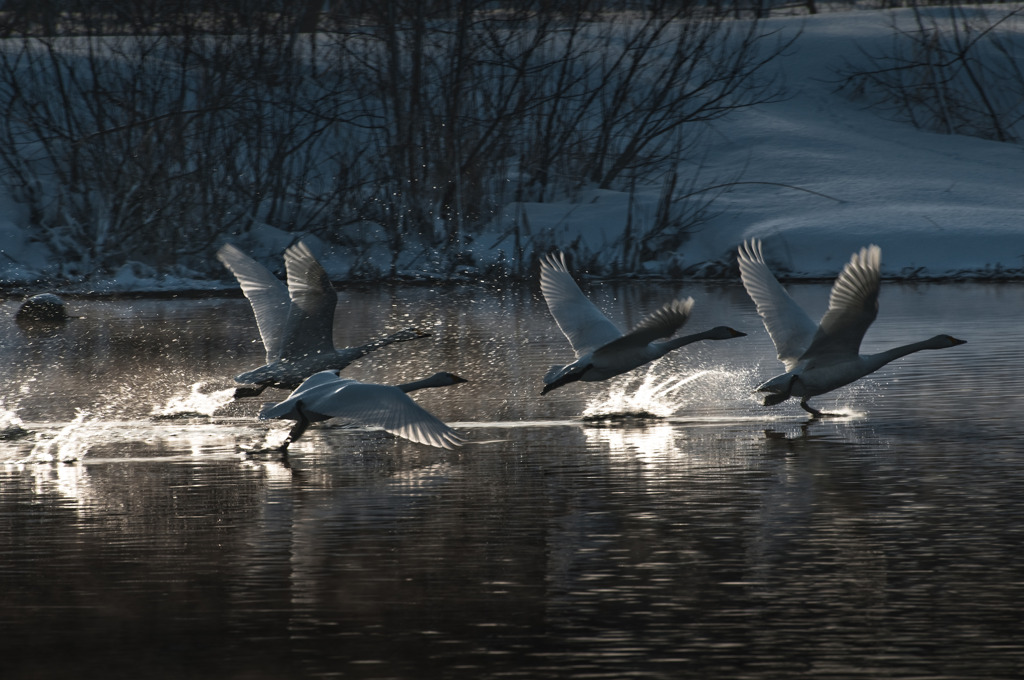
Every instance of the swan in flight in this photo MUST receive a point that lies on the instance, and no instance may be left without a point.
(822, 357)
(326, 395)
(295, 322)
(602, 350)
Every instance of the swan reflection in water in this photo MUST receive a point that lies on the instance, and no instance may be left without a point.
(650, 440)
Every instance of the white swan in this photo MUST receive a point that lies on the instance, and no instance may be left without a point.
(326, 395)
(296, 322)
(602, 350)
(822, 357)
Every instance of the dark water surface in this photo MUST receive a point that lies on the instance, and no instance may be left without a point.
(723, 540)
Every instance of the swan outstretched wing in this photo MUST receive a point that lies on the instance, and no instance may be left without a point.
(585, 326)
(382, 406)
(326, 395)
(789, 326)
(660, 324)
(852, 306)
(310, 325)
(266, 293)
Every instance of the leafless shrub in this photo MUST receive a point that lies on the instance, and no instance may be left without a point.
(954, 70)
(148, 134)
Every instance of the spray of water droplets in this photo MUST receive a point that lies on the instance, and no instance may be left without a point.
(654, 395)
(195, 403)
(73, 440)
(11, 426)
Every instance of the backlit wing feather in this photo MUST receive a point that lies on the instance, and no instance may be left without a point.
(789, 326)
(267, 295)
(583, 324)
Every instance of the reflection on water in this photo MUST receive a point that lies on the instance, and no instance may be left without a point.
(660, 525)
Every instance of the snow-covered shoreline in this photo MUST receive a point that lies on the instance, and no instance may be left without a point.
(815, 177)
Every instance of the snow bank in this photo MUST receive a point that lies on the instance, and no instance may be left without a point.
(815, 177)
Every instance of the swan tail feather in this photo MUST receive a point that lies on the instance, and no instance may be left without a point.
(557, 376)
(779, 389)
(277, 410)
(773, 399)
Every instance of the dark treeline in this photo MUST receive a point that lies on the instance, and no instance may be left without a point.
(149, 131)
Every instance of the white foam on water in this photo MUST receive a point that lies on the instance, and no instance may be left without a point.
(72, 442)
(653, 396)
(196, 402)
(11, 425)
(658, 396)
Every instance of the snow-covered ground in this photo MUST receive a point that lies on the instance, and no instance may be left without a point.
(816, 177)
(938, 205)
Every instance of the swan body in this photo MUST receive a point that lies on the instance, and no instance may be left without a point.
(326, 395)
(602, 350)
(296, 322)
(822, 357)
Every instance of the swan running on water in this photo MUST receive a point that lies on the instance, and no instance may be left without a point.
(296, 322)
(822, 357)
(327, 395)
(602, 350)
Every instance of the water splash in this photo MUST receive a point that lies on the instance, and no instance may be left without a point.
(271, 442)
(11, 426)
(72, 442)
(195, 403)
(652, 398)
(275, 438)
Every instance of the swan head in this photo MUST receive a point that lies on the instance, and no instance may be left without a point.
(942, 341)
(412, 333)
(558, 376)
(724, 333)
(446, 378)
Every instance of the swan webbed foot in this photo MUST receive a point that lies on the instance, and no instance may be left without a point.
(281, 449)
(815, 413)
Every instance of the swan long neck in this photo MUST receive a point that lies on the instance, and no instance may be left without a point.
(439, 380)
(675, 343)
(876, 361)
(400, 336)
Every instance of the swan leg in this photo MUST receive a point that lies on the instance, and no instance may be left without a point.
(297, 429)
(810, 409)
